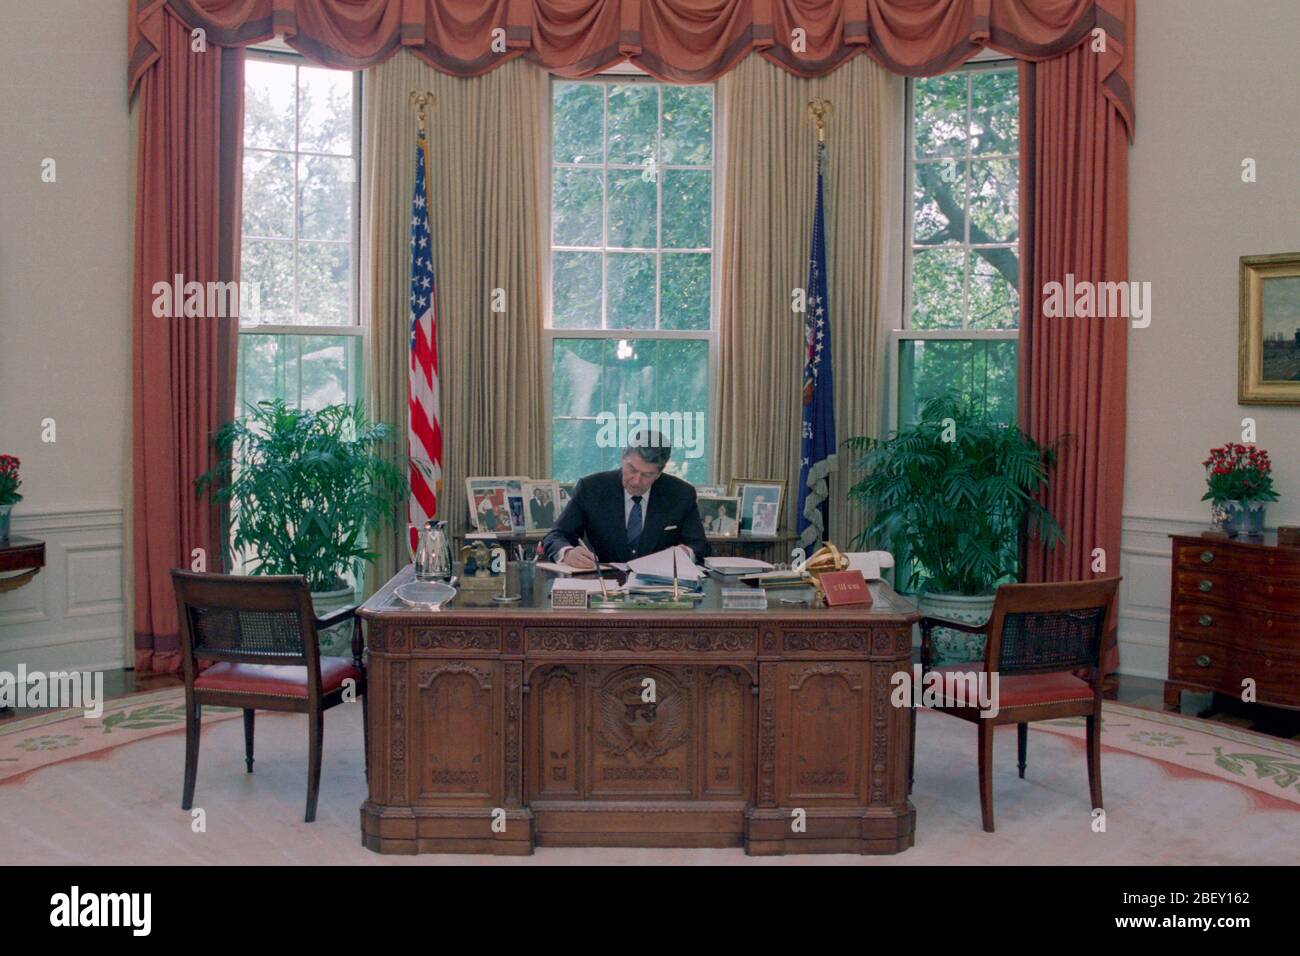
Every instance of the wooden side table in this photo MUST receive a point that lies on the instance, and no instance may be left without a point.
(20, 561)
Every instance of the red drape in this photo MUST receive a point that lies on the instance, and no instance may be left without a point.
(675, 40)
(187, 203)
(1074, 215)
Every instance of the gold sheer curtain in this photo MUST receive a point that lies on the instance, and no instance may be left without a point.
(769, 192)
(486, 138)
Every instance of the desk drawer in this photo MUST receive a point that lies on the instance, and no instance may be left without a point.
(1244, 629)
(1277, 678)
(1233, 559)
(1238, 591)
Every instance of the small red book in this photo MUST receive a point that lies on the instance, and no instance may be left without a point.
(845, 587)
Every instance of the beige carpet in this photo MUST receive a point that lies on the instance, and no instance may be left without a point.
(1178, 791)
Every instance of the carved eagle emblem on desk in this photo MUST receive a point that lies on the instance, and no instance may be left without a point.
(627, 723)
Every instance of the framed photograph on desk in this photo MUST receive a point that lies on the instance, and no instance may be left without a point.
(490, 505)
(541, 504)
(720, 515)
(760, 503)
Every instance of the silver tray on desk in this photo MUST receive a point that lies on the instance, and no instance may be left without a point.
(424, 595)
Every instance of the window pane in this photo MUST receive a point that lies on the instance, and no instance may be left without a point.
(633, 203)
(994, 296)
(995, 112)
(683, 396)
(685, 282)
(937, 288)
(325, 111)
(688, 126)
(576, 205)
(267, 265)
(983, 372)
(325, 364)
(269, 104)
(325, 192)
(688, 198)
(261, 370)
(939, 198)
(629, 375)
(307, 370)
(324, 283)
(575, 290)
(579, 123)
(939, 115)
(268, 194)
(630, 281)
(994, 201)
(661, 382)
(575, 377)
(575, 451)
(633, 122)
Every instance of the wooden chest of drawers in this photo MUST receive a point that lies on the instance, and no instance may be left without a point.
(1234, 615)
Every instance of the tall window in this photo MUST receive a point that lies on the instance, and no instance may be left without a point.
(630, 327)
(963, 307)
(302, 340)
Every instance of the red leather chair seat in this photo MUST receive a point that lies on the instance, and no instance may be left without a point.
(1026, 690)
(279, 680)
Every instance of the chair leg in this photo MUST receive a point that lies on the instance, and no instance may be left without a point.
(911, 753)
(986, 773)
(1094, 759)
(248, 738)
(315, 731)
(193, 716)
(1022, 745)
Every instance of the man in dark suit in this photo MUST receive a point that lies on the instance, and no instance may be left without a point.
(632, 511)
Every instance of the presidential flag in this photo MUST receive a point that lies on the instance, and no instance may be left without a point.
(425, 433)
(817, 448)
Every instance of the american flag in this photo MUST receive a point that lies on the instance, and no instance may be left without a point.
(425, 436)
(817, 447)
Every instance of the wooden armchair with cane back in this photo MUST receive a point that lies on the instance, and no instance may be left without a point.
(1044, 641)
(260, 633)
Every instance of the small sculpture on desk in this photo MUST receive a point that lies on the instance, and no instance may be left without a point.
(484, 571)
(475, 557)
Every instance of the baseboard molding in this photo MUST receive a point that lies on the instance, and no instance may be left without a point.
(70, 616)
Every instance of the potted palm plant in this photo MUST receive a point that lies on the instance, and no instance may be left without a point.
(306, 491)
(949, 496)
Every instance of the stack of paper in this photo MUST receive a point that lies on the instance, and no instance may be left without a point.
(657, 571)
(736, 565)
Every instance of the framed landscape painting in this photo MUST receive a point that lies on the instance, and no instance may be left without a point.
(1268, 363)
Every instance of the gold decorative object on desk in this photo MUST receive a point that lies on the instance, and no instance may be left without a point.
(826, 558)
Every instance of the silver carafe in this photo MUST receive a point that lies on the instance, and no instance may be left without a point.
(433, 556)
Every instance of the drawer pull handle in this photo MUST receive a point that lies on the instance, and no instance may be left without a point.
(1206, 585)
(1205, 620)
(1203, 660)
(1207, 556)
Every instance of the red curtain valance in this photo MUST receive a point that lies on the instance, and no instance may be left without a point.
(674, 40)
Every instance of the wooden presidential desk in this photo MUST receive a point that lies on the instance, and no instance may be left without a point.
(494, 729)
